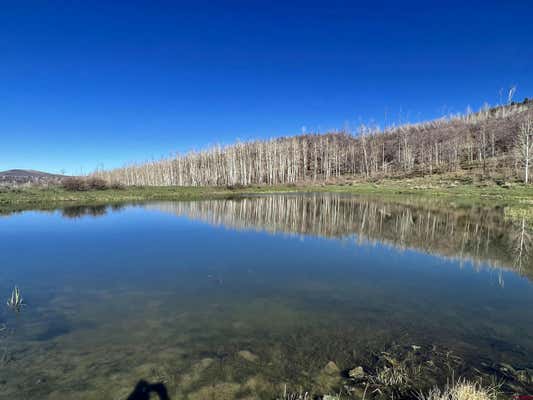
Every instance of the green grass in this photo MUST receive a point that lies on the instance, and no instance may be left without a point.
(519, 214)
(515, 197)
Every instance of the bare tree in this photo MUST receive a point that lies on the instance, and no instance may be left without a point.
(510, 95)
(524, 146)
(522, 241)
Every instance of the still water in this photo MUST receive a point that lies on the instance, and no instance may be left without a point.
(249, 297)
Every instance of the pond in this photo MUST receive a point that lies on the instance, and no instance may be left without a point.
(264, 296)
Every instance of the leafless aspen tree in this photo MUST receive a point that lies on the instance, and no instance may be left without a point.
(524, 146)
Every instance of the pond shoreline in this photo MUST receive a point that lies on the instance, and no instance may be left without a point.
(465, 193)
(515, 199)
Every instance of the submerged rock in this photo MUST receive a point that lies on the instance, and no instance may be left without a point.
(219, 391)
(248, 355)
(258, 384)
(328, 378)
(331, 368)
(356, 373)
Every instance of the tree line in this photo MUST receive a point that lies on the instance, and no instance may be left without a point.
(492, 140)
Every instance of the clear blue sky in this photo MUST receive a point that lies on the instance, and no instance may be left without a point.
(84, 83)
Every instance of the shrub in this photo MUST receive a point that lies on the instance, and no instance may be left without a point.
(236, 186)
(116, 186)
(95, 183)
(74, 184)
(78, 184)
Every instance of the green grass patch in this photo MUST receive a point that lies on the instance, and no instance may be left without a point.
(515, 197)
(518, 214)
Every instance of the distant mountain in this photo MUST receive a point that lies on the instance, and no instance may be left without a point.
(28, 175)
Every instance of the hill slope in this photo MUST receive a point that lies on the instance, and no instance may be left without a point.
(24, 176)
(485, 141)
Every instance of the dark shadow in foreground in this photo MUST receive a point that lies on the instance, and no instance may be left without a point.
(143, 389)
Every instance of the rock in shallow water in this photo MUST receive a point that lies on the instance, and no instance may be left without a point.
(329, 377)
(356, 373)
(248, 355)
(331, 368)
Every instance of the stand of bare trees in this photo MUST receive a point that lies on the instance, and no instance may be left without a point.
(486, 140)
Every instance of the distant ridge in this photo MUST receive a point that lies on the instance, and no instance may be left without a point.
(28, 176)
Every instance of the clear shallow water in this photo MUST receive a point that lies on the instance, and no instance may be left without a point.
(236, 298)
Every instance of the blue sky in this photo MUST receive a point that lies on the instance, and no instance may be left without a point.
(88, 83)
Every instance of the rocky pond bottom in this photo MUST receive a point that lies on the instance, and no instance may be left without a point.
(267, 297)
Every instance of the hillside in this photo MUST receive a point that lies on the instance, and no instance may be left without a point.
(485, 143)
(19, 176)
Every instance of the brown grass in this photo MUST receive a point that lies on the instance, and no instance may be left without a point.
(462, 390)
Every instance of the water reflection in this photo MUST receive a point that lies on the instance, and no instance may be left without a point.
(79, 211)
(522, 240)
(478, 235)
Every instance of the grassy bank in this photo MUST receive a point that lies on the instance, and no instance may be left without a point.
(517, 198)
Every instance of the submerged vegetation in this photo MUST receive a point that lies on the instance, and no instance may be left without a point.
(15, 302)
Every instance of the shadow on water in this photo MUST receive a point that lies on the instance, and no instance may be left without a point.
(143, 390)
